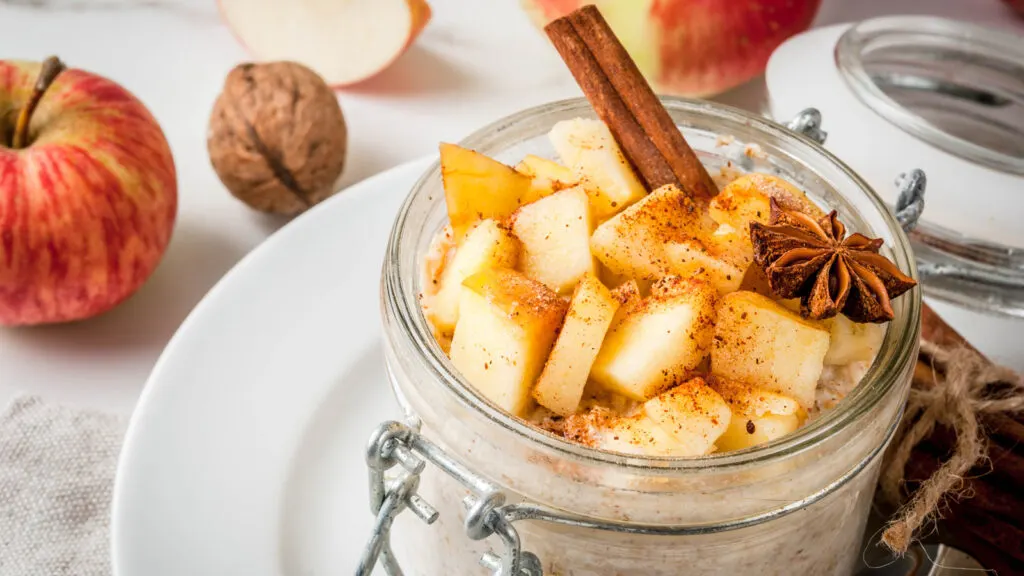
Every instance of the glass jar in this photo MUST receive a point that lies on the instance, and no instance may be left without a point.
(796, 505)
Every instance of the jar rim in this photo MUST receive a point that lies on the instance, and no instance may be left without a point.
(899, 348)
(974, 46)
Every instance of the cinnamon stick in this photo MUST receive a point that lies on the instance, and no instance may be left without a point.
(625, 102)
(985, 497)
(641, 100)
(1006, 537)
(987, 526)
(1006, 428)
(609, 106)
(991, 557)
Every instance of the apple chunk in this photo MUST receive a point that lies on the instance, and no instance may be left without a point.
(632, 243)
(555, 234)
(478, 187)
(758, 341)
(88, 195)
(852, 341)
(758, 415)
(639, 435)
(507, 324)
(656, 340)
(537, 167)
(487, 245)
(591, 311)
(635, 434)
(691, 258)
(588, 148)
(748, 199)
(693, 413)
(344, 42)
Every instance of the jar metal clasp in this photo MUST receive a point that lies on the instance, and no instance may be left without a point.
(392, 444)
(396, 444)
(911, 185)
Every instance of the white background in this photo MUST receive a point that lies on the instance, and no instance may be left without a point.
(476, 61)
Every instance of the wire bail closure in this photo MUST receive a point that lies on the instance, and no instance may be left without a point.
(392, 444)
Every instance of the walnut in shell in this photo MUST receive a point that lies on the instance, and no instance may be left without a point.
(277, 137)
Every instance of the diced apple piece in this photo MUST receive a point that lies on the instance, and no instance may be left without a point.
(561, 383)
(654, 342)
(439, 256)
(486, 245)
(747, 199)
(587, 147)
(604, 429)
(626, 293)
(555, 236)
(739, 203)
(731, 246)
(507, 324)
(609, 278)
(852, 341)
(692, 258)
(477, 187)
(758, 415)
(632, 243)
(693, 413)
(639, 435)
(537, 167)
(759, 342)
(747, 431)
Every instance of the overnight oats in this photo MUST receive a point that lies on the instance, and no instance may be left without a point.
(695, 342)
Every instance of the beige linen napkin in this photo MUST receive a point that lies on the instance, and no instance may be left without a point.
(57, 469)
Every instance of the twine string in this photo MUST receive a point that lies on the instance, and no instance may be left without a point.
(962, 392)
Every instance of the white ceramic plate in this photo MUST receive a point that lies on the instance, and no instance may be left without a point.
(245, 453)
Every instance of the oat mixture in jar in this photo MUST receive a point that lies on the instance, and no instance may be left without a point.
(650, 367)
(800, 500)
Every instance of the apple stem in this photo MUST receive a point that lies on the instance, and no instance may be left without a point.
(52, 67)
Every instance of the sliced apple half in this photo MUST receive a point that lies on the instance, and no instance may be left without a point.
(345, 42)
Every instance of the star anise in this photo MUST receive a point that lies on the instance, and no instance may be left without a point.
(828, 271)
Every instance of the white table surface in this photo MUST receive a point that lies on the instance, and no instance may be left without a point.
(475, 62)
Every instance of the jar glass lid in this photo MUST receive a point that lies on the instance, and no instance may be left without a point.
(899, 93)
(956, 86)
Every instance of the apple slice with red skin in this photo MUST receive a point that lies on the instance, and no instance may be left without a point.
(344, 41)
(88, 194)
(694, 47)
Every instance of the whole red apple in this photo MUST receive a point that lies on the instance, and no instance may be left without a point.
(694, 47)
(88, 193)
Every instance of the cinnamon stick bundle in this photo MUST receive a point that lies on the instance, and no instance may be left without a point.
(624, 101)
(987, 522)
